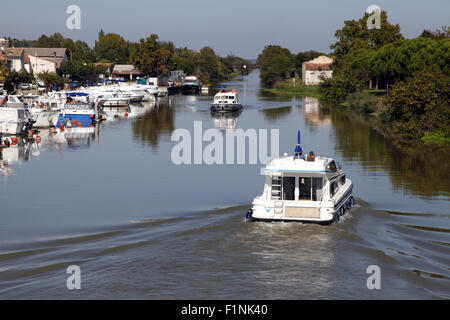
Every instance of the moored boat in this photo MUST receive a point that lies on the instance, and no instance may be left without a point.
(190, 84)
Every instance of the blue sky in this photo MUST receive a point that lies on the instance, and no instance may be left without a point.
(241, 27)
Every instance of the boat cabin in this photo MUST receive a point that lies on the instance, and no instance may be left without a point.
(226, 97)
(291, 179)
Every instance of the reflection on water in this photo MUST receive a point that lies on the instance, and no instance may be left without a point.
(276, 113)
(159, 120)
(420, 170)
(141, 227)
(225, 120)
(313, 114)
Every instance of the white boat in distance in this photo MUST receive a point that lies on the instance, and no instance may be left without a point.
(226, 101)
(309, 189)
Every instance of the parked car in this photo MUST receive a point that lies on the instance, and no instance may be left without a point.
(24, 86)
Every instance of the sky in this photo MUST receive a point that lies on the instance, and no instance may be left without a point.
(239, 27)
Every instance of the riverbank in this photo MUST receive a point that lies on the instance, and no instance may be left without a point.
(370, 107)
(296, 88)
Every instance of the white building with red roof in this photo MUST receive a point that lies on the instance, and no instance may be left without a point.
(314, 71)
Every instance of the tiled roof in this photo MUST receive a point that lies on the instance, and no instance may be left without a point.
(45, 52)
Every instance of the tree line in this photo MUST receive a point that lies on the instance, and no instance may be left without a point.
(277, 64)
(150, 55)
(412, 75)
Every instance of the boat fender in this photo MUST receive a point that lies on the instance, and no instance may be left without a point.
(342, 211)
(352, 200)
(336, 218)
(249, 214)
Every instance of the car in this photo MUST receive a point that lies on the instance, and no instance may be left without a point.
(24, 86)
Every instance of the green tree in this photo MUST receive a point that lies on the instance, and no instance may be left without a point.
(399, 60)
(111, 47)
(355, 35)
(276, 64)
(186, 60)
(210, 66)
(152, 57)
(13, 79)
(420, 104)
(50, 79)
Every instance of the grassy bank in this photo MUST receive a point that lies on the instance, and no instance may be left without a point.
(296, 89)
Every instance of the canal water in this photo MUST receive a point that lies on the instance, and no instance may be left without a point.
(110, 200)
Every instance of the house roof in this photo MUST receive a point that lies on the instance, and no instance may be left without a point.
(319, 63)
(46, 52)
(125, 69)
(13, 52)
(317, 66)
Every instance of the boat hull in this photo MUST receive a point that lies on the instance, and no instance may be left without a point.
(225, 107)
(190, 88)
(84, 119)
(290, 211)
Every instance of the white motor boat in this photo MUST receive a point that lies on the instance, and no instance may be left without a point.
(14, 116)
(310, 189)
(226, 101)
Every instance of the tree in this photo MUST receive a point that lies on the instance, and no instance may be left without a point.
(436, 35)
(210, 66)
(152, 57)
(399, 60)
(276, 64)
(50, 79)
(355, 35)
(420, 104)
(111, 47)
(14, 78)
(186, 60)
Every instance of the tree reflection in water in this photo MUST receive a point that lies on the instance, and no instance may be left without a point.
(149, 127)
(419, 169)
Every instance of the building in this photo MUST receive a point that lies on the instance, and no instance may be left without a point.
(34, 60)
(126, 71)
(14, 58)
(314, 71)
(4, 42)
(44, 59)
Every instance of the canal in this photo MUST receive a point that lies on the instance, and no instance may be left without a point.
(111, 200)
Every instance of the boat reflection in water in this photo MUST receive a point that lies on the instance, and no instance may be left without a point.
(76, 137)
(132, 110)
(13, 149)
(225, 120)
(312, 114)
(19, 148)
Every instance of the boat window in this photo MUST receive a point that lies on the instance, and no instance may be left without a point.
(333, 188)
(288, 188)
(343, 180)
(332, 167)
(276, 188)
(304, 186)
(317, 189)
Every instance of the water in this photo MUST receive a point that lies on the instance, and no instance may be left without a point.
(111, 201)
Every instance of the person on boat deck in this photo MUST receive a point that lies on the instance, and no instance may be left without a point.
(311, 156)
